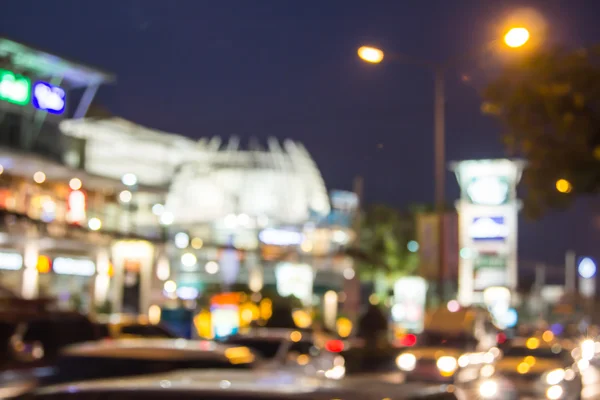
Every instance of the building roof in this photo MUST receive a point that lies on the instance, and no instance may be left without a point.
(41, 63)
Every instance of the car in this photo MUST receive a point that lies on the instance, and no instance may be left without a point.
(294, 350)
(126, 357)
(122, 327)
(436, 357)
(533, 368)
(236, 385)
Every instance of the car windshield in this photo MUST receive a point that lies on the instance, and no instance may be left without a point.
(442, 340)
(146, 331)
(266, 348)
(541, 352)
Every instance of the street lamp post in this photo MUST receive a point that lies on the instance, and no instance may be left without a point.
(514, 38)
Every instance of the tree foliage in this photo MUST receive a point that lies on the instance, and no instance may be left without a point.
(384, 234)
(549, 103)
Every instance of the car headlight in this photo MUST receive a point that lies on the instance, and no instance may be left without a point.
(488, 389)
(406, 361)
(555, 377)
(554, 392)
(447, 364)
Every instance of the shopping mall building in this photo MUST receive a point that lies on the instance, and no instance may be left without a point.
(104, 214)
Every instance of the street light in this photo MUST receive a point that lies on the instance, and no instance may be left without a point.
(515, 37)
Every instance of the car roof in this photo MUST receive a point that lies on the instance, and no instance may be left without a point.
(151, 348)
(265, 384)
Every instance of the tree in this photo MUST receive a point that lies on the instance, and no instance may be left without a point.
(384, 235)
(549, 103)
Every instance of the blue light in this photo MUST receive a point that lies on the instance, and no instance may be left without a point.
(412, 246)
(587, 268)
(511, 318)
(557, 329)
(48, 97)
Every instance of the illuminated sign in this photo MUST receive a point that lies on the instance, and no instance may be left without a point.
(14, 88)
(409, 298)
(489, 261)
(73, 266)
(49, 98)
(11, 261)
(488, 228)
(488, 190)
(76, 206)
(280, 237)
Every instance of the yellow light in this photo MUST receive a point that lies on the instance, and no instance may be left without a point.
(370, 54)
(563, 186)
(303, 359)
(516, 37)
(301, 318)
(239, 355)
(75, 184)
(548, 336)
(523, 368)
(202, 323)
(532, 343)
(197, 243)
(295, 336)
(530, 360)
(266, 309)
(39, 177)
(154, 313)
(374, 299)
(306, 246)
(343, 327)
(43, 264)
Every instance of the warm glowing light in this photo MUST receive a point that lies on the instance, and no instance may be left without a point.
(94, 224)
(374, 299)
(170, 287)
(370, 54)
(343, 327)
(129, 180)
(295, 336)
(532, 343)
(530, 360)
(516, 37)
(554, 392)
(563, 186)
(548, 336)
(303, 359)
(39, 177)
(43, 264)
(75, 184)
(211, 267)
(197, 243)
(154, 314)
(523, 368)
(188, 260)
(302, 318)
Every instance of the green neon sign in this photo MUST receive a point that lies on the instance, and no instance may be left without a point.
(14, 88)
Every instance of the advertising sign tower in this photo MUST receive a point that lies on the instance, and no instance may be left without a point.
(488, 219)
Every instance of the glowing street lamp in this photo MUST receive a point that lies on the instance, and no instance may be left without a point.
(563, 186)
(370, 54)
(516, 37)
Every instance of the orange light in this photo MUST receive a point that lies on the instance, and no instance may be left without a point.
(43, 264)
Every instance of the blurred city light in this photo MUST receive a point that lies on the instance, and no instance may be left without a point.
(125, 196)
(188, 260)
(158, 209)
(129, 180)
(516, 37)
(94, 224)
(211, 267)
(413, 246)
(75, 184)
(370, 54)
(563, 186)
(39, 177)
(167, 218)
(197, 243)
(1, 169)
(182, 240)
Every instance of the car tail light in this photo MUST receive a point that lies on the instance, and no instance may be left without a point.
(334, 346)
(501, 338)
(408, 340)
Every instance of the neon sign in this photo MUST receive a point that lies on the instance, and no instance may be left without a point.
(14, 88)
(49, 98)
(488, 228)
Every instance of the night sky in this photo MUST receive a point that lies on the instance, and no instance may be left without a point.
(284, 68)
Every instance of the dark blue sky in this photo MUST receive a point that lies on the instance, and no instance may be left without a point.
(289, 69)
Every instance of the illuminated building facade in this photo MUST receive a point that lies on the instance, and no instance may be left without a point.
(488, 220)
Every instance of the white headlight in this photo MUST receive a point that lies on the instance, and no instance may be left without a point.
(588, 349)
(554, 392)
(488, 389)
(447, 364)
(555, 377)
(406, 361)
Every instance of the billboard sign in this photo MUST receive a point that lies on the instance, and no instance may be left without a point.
(14, 88)
(488, 229)
(409, 303)
(48, 97)
(488, 190)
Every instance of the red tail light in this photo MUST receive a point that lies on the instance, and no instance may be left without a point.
(501, 338)
(408, 340)
(334, 346)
